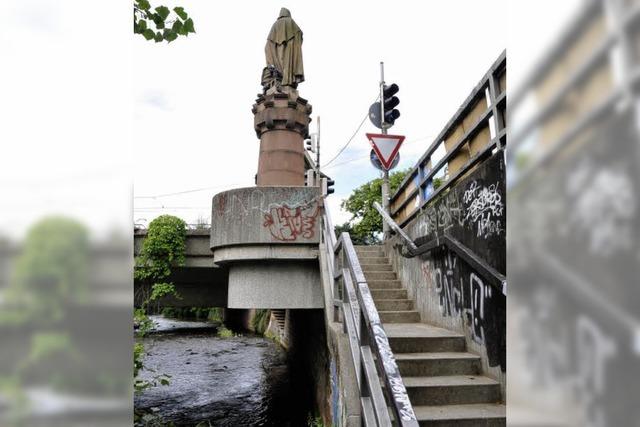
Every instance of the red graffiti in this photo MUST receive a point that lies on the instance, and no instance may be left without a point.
(222, 204)
(287, 224)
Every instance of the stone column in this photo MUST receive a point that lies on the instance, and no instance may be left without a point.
(281, 121)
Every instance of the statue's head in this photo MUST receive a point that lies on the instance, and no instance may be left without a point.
(284, 13)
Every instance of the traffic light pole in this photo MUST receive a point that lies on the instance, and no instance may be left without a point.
(385, 176)
(318, 154)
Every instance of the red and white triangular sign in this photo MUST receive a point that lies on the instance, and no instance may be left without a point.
(386, 147)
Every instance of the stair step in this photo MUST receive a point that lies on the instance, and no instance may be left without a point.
(373, 260)
(380, 275)
(376, 267)
(369, 249)
(384, 284)
(422, 338)
(403, 316)
(394, 304)
(382, 294)
(438, 364)
(485, 415)
(452, 390)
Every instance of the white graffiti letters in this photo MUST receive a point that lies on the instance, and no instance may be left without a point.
(484, 208)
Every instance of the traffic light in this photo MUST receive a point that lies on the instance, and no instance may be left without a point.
(390, 103)
(308, 144)
(310, 178)
(311, 143)
(327, 186)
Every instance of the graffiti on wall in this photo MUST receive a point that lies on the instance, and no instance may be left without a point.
(462, 293)
(484, 209)
(480, 208)
(286, 223)
(576, 358)
(602, 207)
(473, 211)
(282, 214)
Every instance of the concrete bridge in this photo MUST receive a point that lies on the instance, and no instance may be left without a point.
(199, 282)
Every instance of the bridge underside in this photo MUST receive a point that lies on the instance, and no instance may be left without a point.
(196, 287)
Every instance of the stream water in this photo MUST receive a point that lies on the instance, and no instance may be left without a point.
(239, 381)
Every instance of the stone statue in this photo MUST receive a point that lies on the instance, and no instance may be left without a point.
(284, 53)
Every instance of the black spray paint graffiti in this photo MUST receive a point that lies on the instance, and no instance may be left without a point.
(462, 293)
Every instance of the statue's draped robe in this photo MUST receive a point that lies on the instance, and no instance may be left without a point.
(284, 49)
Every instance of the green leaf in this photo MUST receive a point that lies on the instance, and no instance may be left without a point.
(188, 25)
(163, 11)
(183, 31)
(181, 13)
(158, 38)
(177, 26)
(164, 381)
(142, 24)
(143, 4)
(170, 35)
(157, 19)
(148, 34)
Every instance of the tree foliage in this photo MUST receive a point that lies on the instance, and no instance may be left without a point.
(163, 248)
(356, 238)
(168, 26)
(51, 272)
(366, 223)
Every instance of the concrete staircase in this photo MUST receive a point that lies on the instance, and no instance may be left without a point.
(444, 381)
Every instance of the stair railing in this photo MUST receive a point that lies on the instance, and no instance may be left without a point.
(493, 276)
(368, 342)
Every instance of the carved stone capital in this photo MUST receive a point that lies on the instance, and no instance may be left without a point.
(283, 110)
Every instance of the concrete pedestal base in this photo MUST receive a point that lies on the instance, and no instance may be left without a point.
(275, 285)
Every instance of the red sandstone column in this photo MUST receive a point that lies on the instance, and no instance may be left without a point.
(281, 121)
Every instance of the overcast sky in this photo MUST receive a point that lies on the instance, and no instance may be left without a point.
(90, 108)
(193, 126)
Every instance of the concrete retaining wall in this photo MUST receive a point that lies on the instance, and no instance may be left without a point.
(341, 405)
(448, 292)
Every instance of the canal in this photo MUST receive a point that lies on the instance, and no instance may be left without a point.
(245, 380)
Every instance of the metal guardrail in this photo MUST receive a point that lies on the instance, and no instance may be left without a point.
(468, 128)
(371, 353)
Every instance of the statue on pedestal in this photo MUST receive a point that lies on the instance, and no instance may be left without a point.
(283, 53)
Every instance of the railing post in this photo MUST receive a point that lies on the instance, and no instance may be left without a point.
(364, 341)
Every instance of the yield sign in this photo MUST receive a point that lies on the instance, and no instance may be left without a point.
(386, 147)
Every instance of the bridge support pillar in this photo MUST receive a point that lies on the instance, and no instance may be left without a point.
(268, 238)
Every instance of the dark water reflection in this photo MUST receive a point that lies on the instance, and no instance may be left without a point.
(240, 381)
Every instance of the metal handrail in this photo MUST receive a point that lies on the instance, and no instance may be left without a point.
(395, 227)
(368, 343)
(485, 270)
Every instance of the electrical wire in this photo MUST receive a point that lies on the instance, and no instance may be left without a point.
(350, 139)
(189, 191)
(355, 159)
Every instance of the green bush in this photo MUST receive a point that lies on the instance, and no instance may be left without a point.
(163, 248)
(260, 321)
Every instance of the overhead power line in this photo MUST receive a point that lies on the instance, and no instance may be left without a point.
(355, 159)
(350, 139)
(189, 191)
